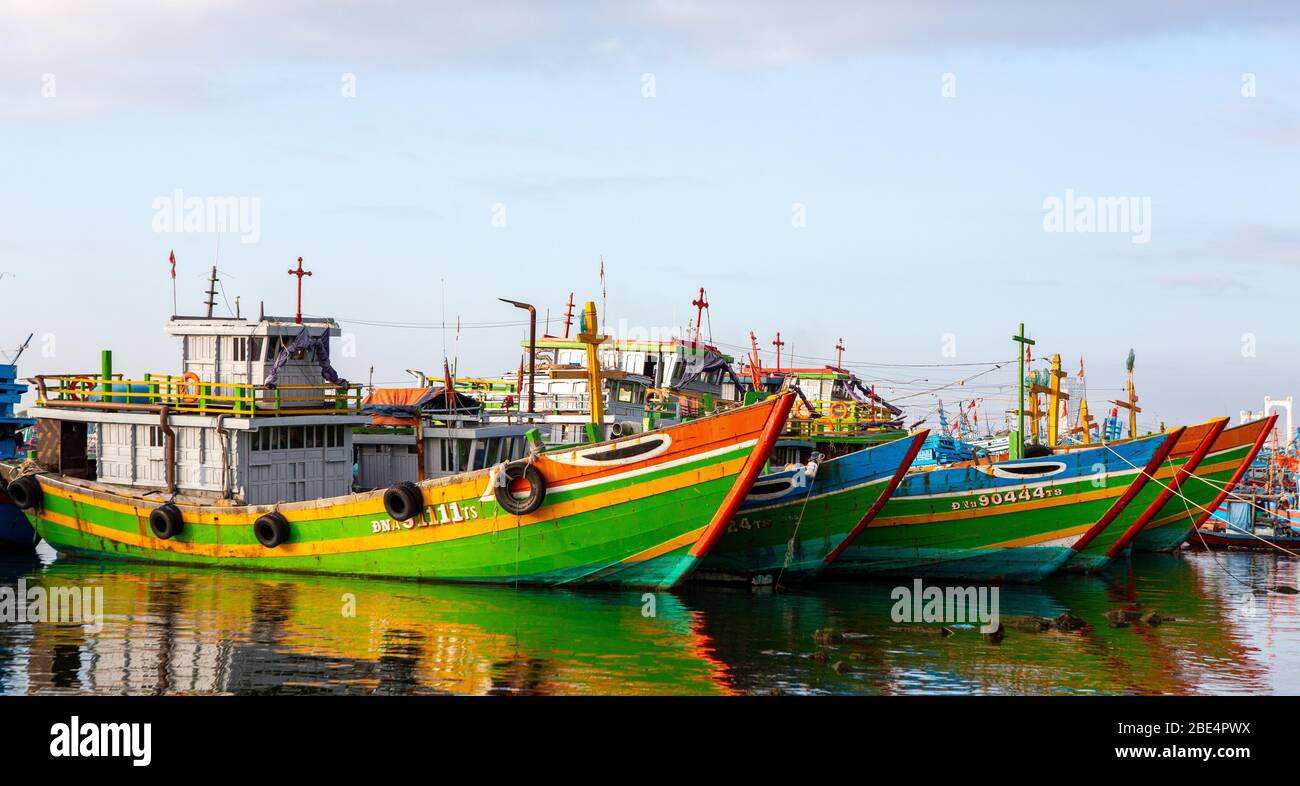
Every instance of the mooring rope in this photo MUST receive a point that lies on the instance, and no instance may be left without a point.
(1198, 506)
(789, 546)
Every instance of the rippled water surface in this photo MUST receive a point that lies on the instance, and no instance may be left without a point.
(179, 630)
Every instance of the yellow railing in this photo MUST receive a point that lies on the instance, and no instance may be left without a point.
(190, 394)
(837, 417)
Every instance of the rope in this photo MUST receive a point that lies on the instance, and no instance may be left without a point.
(789, 546)
(27, 467)
(1186, 501)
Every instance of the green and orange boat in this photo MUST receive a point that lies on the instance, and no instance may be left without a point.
(1222, 469)
(1161, 481)
(1012, 520)
(208, 468)
(797, 520)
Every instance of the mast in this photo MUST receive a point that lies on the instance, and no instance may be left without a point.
(590, 335)
(212, 290)
(700, 305)
(299, 273)
(1017, 441)
(568, 315)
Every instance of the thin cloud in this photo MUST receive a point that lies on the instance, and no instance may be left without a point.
(107, 54)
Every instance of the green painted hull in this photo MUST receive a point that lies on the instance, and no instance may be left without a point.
(570, 549)
(1185, 509)
(790, 526)
(1093, 556)
(961, 523)
(758, 542)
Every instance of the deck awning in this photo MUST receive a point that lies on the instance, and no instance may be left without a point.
(402, 406)
(396, 406)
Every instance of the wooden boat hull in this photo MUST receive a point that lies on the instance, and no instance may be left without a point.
(991, 522)
(794, 531)
(1224, 466)
(643, 521)
(1229, 539)
(1167, 475)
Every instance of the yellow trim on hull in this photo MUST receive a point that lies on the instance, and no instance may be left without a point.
(418, 535)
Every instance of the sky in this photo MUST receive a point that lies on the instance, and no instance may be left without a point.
(884, 173)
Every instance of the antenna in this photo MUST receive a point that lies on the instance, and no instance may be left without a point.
(604, 313)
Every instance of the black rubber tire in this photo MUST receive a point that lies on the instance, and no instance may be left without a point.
(536, 488)
(403, 501)
(271, 530)
(26, 493)
(165, 521)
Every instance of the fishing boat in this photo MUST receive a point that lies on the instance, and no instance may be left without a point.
(1014, 520)
(1248, 521)
(419, 433)
(1160, 482)
(1222, 469)
(16, 533)
(796, 520)
(244, 461)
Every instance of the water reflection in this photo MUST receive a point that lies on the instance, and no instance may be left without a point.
(176, 630)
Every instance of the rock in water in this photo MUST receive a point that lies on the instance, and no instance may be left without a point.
(1153, 619)
(1068, 622)
(994, 636)
(1123, 615)
(826, 636)
(1028, 624)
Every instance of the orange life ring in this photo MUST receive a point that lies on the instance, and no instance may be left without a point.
(839, 410)
(83, 384)
(802, 410)
(194, 382)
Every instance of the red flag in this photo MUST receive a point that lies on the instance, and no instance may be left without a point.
(1080, 367)
(172, 257)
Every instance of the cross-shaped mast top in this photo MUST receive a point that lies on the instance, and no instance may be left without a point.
(299, 273)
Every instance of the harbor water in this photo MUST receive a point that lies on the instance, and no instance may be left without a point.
(167, 630)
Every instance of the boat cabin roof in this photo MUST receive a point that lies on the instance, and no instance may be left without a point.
(266, 326)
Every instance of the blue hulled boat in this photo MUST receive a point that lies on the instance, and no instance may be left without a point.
(16, 533)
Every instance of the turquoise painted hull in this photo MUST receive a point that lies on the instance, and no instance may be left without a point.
(1162, 539)
(993, 565)
(1086, 563)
